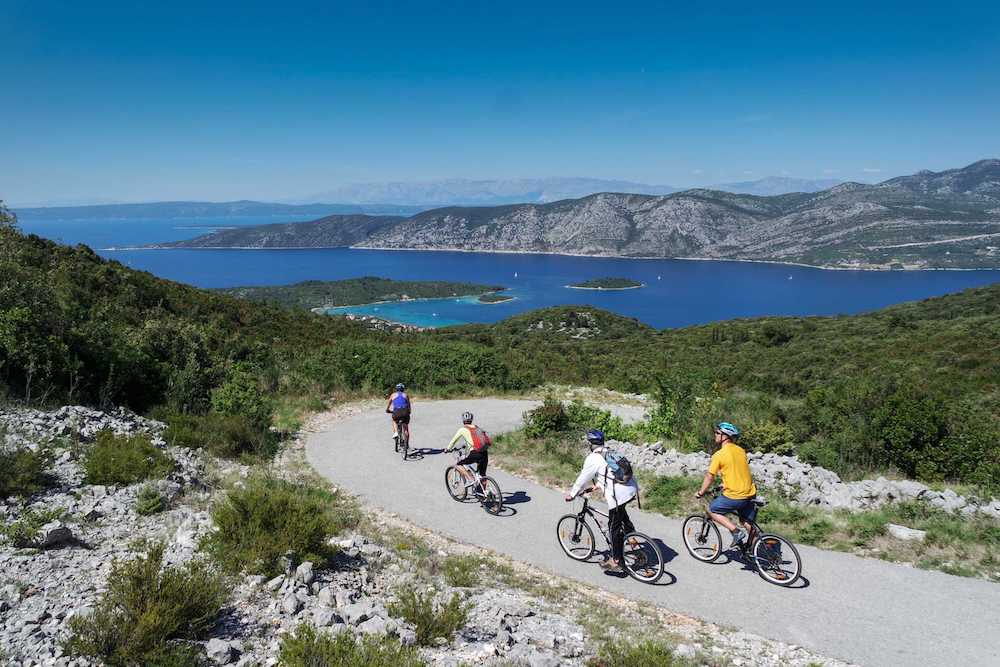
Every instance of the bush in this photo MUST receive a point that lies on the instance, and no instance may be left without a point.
(228, 436)
(768, 437)
(308, 648)
(588, 417)
(23, 472)
(267, 517)
(147, 606)
(242, 395)
(463, 571)
(124, 460)
(25, 531)
(618, 653)
(548, 418)
(431, 619)
(671, 495)
(149, 501)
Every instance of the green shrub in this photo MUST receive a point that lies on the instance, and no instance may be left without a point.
(463, 571)
(768, 437)
(23, 472)
(267, 517)
(308, 648)
(670, 495)
(548, 418)
(587, 417)
(431, 618)
(617, 653)
(147, 606)
(242, 395)
(124, 460)
(25, 531)
(228, 436)
(149, 501)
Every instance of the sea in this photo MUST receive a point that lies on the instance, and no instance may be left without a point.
(675, 293)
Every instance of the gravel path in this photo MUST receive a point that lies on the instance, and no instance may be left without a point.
(856, 609)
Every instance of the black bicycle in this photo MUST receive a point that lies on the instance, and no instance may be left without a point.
(642, 557)
(484, 489)
(775, 558)
(402, 438)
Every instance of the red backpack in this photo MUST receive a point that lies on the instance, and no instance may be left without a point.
(480, 439)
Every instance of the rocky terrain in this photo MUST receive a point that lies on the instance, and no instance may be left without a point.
(808, 484)
(948, 219)
(65, 573)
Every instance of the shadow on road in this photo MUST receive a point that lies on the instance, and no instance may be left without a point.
(516, 498)
(668, 552)
(417, 454)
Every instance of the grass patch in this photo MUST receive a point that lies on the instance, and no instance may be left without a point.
(149, 501)
(671, 496)
(464, 571)
(266, 518)
(432, 619)
(630, 654)
(124, 460)
(226, 436)
(146, 607)
(25, 532)
(308, 648)
(23, 472)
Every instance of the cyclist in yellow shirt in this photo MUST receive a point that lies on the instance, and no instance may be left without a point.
(738, 489)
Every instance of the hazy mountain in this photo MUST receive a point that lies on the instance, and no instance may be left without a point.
(464, 192)
(777, 185)
(948, 219)
(193, 209)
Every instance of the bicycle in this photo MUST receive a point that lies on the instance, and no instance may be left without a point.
(401, 439)
(774, 557)
(484, 488)
(642, 557)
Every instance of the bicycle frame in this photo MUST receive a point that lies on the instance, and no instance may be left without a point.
(603, 527)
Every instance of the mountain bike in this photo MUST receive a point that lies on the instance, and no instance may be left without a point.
(402, 438)
(642, 557)
(484, 489)
(774, 557)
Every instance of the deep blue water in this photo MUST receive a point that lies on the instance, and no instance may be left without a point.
(677, 292)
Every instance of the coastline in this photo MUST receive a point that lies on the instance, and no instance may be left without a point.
(606, 289)
(872, 268)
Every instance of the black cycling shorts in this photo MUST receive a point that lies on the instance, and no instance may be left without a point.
(477, 457)
(401, 415)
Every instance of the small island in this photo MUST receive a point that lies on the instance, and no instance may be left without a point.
(494, 297)
(318, 295)
(608, 284)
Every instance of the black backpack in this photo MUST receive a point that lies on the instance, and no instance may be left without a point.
(619, 467)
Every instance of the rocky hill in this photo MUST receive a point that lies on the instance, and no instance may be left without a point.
(948, 219)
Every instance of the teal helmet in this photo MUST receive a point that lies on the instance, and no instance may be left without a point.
(728, 429)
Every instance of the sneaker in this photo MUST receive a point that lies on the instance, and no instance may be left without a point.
(739, 536)
(609, 566)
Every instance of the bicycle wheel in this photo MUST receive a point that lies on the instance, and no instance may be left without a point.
(776, 559)
(455, 484)
(643, 558)
(492, 498)
(702, 538)
(404, 443)
(575, 537)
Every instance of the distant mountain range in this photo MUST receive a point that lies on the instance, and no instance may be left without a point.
(777, 185)
(194, 209)
(948, 219)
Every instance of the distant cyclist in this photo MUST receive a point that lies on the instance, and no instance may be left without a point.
(478, 442)
(618, 496)
(738, 489)
(399, 406)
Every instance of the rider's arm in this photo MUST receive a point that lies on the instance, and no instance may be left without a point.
(705, 484)
(586, 476)
(388, 404)
(458, 435)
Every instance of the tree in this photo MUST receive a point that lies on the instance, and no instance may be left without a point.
(7, 217)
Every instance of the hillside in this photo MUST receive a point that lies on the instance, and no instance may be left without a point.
(949, 219)
(353, 291)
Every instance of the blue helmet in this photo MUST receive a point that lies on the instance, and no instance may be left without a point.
(595, 437)
(728, 429)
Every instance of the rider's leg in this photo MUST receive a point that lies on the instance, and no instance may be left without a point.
(484, 462)
(616, 521)
(723, 521)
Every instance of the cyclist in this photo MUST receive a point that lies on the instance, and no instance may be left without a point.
(738, 489)
(478, 443)
(618, 496)
(399, 406)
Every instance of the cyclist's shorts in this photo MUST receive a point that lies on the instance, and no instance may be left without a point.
(744, 507)
(477, 457)
(401, 416)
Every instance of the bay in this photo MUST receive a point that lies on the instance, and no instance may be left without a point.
(676, 293)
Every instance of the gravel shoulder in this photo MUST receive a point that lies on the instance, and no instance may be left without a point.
(856, 609)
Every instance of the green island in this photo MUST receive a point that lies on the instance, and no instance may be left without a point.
(608, 283)
(494, 297)
(909, 391)
(356, 291)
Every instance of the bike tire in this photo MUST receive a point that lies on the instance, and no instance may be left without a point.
(575, 537)
(455, 483)
(404, 444)
(702, 538)
(776, 560)
(492, 498)
(643, 558)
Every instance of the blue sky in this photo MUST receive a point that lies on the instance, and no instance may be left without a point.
(279, 100)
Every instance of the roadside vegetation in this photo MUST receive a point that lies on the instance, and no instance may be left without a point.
(433, 619)
(124, 460)
(307, 647)
(24, 472)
